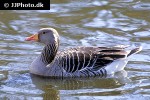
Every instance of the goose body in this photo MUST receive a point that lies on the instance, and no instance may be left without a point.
(79, 61)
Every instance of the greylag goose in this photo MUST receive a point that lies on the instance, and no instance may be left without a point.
(79, 61)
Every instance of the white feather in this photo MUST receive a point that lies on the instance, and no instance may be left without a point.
(116, 66)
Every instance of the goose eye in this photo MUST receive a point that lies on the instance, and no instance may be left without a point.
(44, 32)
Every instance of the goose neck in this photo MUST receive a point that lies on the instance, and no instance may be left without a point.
(49, 52)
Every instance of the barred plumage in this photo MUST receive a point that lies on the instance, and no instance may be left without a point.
(79, 61)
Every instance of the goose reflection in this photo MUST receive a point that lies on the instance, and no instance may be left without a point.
(53, 87)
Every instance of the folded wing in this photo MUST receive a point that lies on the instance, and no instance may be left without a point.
(93, 58)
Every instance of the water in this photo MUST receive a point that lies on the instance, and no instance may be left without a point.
(79, 23)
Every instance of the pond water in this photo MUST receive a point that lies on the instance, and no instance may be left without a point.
(79, 23)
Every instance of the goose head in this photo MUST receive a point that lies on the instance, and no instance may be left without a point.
(45, 35)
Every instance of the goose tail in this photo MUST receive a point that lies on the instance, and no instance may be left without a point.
(136, 50)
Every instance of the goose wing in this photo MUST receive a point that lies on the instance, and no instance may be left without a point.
(95, 58)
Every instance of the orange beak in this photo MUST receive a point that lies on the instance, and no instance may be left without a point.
(32, 38)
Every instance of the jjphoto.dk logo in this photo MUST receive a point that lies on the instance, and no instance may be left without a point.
(25, 5)
(39, 4)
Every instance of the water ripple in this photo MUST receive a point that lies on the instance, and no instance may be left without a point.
(142, 6)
